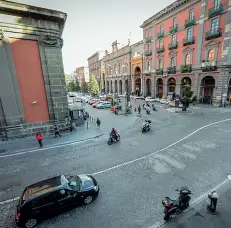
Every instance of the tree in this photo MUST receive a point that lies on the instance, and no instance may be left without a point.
(187, 97)
(84, 86)
(94, 87)
(73, 85)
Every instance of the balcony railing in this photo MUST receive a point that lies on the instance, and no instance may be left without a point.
(148, 40)
(148, 53)
(173, 29)
(171, 70)
(159, 71)
(188, 41)
(212, 34)
(160, 35)
(215, 11)
(160, 49)
(173, 45)
(189, 22)
(208, 66)
(186, 68)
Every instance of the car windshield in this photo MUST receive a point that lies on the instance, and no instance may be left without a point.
(75, 183)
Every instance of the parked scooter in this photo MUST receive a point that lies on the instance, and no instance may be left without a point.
(146, 126)
(175, 207)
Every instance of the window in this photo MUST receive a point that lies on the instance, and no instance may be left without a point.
(161, 29)
(148, 66)
(43, 200)
(191, 14)
(217, 4)
(149, 35)
(190, 33)
(174, 38)
(160, 64)
(187, 59)
(148, 47)
(174, 22)
(211, 55)
(172, 61)
(119, 68)
(161, 44)
(214, 25)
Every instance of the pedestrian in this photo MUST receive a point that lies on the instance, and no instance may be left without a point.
(139, 109)
(98, 122)
(56, 131)
(39, 137)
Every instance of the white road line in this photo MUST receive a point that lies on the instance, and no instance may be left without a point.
(49, 147)
(142, 158)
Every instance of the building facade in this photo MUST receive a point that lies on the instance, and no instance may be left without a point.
(32, 84)
(82, 73)
(137, 51)
(94, 65)
(188, 42)
(117, 70)
(102, 76)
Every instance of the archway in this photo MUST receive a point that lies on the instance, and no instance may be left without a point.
(138, 86)
(207, 89)
(107, 87)
(229, 89)
(111, 90)
(116, 87)
(120, 87)
(137, 71)
(171, 85)
(159, 88)
(126, 86)
(148, 87)
(184, 81)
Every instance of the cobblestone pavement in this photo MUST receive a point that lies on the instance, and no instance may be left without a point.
(146, 169)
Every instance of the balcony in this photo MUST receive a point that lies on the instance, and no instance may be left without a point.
(207, 66)
(160, 50)
(212, 34)
(215, 11)
(190, 22)
(159, 71)
(148, 40)
(188, 41)
(173, 46)
(173, 29)
(186, 68)
(171, 70)
(160, 35)
(148, 53)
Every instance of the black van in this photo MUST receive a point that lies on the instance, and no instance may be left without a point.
(49, 197)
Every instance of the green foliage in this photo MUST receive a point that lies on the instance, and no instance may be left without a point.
(187, 97)
(73, 86)
(84, 87)
(94, 87)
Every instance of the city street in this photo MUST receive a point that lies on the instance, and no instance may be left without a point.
(134, 175)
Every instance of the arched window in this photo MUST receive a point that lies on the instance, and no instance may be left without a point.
(187, 59)
(172, 61)
(211, 55)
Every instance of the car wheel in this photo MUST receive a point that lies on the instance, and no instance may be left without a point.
(30, 223)
(87, 200)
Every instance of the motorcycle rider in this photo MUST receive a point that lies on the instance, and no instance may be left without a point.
(146, 123)
(114, 133)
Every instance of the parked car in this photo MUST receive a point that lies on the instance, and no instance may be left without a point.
(97, 103)
(103, 105)
(49, 197)
(93, 101)
(149, 99)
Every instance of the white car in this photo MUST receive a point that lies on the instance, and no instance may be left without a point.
(149, 99)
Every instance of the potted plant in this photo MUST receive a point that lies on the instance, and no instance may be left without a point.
(186, 99)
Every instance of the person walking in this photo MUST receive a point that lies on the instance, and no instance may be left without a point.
(57, 132)
(39, 137)
(139, 109)
(98, 122)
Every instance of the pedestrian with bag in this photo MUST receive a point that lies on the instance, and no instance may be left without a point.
(39, 137)
(98, 122)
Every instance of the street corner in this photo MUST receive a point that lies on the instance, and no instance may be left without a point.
(7, 215)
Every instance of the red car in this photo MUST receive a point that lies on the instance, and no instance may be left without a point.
(93, 101)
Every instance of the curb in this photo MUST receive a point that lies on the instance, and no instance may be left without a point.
(51, 146)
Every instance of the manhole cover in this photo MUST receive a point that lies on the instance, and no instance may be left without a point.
(135, 143)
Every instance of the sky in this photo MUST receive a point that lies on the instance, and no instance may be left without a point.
(93, 25)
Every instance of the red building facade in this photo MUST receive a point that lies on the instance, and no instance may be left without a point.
(80, 73)
(188, 43)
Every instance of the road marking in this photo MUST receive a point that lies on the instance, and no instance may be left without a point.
(50, 147)
(196, 201)
(156, 152)
(142, 158)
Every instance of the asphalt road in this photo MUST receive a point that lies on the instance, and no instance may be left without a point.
(134, 175)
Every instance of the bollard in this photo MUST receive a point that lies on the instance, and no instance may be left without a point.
(87, 124)
(211, 208)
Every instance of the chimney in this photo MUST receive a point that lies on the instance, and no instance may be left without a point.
(114, 46)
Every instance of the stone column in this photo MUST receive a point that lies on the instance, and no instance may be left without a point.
(195, 86)
(52, 66)
(221, 85)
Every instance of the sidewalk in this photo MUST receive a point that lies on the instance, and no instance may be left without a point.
(20, 145)
(198, 217)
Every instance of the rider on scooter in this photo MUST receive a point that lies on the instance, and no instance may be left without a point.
(114, 133)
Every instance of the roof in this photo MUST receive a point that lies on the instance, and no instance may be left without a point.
(24, 10)
(44, 186)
